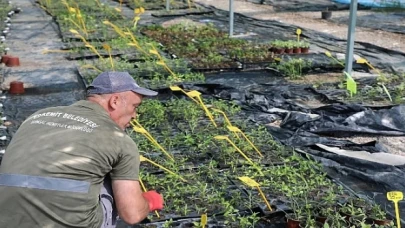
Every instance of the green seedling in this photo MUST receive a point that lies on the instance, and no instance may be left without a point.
(223, 137)
(196, 94)
(364, 61)
(396, 196)
(138, 128)
(237, 130)
(145, 190)
(252, 183)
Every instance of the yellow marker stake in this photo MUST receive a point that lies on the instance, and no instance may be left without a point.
(252, 183)
(142, 158)
(197, 94)
(145, 190)
(176, 88)
(226, 120)
(396, 196)
(235, 129)
(298, 34)
(223, 137)
(204, 220)
(225, 117)
(143, 131)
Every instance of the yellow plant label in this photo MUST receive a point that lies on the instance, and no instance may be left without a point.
(74, 31)
(299, 31)
(249, 182)
(194, 93)
(175, 88)
(233, 129)
(117, 9)
(221, 137)
(140, 130)
(277, 59)
(328, 54)
(204, 219)
(361, 60)
(142, 158)
(160, 62)
(152, 51)
(106, 47)
(395, 196)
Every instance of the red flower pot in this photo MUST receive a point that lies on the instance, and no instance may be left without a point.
(16, 87)
(293, 223)
(289, 50)
(4, 58)
(13, 61)
(297, 50)
(304, 50)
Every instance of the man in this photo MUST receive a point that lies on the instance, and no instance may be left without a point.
(56, 172)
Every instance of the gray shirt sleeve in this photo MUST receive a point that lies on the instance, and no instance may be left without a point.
(127, 165)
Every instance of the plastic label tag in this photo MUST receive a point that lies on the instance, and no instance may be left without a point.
(204, 220)
(140, 130)
(233, 129)
(194, 93)
(395, 196)
(142, 158)
(221, 137)
(248, 181)
(299, 31)
(175, 88)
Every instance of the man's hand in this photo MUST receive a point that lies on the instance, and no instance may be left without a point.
(155, 200)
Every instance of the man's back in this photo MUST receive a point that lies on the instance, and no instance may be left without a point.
(54, 167)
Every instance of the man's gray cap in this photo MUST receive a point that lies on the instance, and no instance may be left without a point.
(116, 82)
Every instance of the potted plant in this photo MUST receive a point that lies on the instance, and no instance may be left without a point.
(296, 47)
(304, 46)
(278, 46)
(378, 215)
(289, 46)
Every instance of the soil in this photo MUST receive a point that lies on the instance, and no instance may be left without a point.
(313, 21)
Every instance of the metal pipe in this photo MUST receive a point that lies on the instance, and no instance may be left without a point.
(230, 18)
(351, 36)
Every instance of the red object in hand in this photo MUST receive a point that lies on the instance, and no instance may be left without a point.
(155, 200)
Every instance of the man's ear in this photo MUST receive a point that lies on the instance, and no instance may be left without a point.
(114, 101)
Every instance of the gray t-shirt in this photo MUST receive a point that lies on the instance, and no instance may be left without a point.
(78, 142)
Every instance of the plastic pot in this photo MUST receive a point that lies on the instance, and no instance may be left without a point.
(16, 87)
(305, 50)
(280, 50)
(326, 15)
(297, 50)
(13, 61)
(5, 58)
(384, 222)
(321, 219)
(288, 50)
(291, 223)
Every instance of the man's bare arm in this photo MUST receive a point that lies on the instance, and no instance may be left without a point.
(131, 205)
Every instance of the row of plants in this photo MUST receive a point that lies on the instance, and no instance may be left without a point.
(299, 183)
(208, 47)
(383, 89)
(290, 46)
(119, 48)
